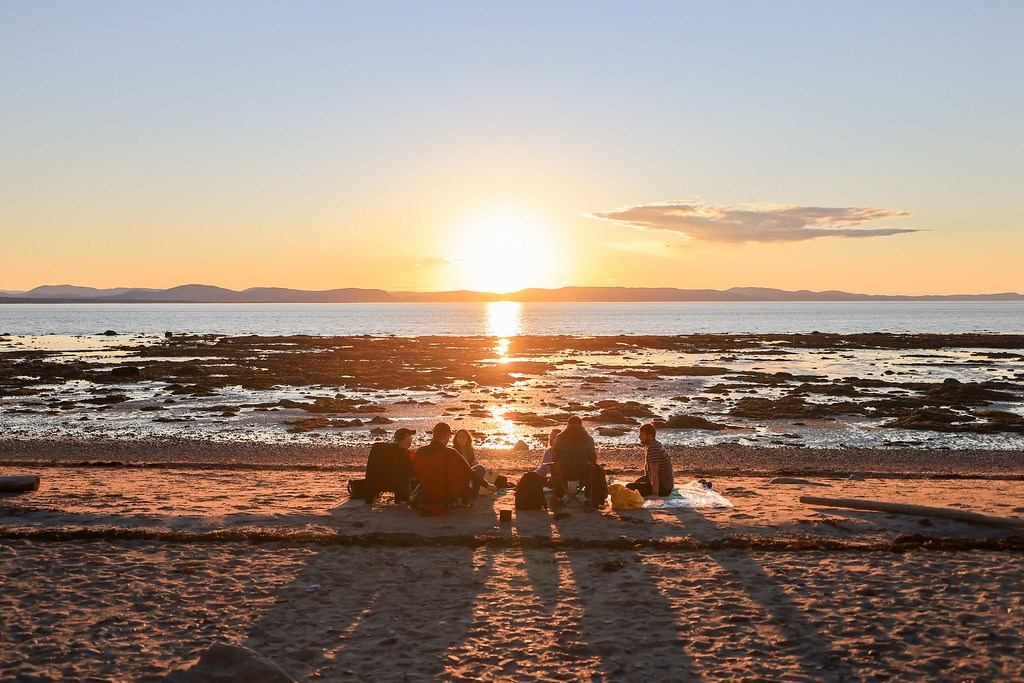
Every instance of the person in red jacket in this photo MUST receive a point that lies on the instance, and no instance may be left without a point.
(445, 476)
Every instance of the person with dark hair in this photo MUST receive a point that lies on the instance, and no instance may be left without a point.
(575, 459)
(658, 477)
(445, 476)
(463, 443)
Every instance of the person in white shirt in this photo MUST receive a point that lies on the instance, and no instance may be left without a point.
(544, 469)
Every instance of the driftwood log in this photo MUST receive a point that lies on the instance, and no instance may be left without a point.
(19, 483)
(919, 510)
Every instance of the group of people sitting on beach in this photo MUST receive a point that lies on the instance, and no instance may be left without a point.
(438, 476)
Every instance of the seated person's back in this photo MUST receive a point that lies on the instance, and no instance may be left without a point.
(444, 475)
(575, 459)
(574, 446)
(389, 467)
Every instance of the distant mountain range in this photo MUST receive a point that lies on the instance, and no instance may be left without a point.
(254, 295)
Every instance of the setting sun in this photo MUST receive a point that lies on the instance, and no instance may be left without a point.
(504, 251)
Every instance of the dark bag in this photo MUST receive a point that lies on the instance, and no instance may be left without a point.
(598, 488)
(530, 492)
(357, 489)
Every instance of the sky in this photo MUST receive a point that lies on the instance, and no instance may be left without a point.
(872, 147)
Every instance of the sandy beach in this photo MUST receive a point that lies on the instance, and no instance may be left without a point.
(134, 570)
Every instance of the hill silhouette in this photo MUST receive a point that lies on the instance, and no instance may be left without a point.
(197, 293)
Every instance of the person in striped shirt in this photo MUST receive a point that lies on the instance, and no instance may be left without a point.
(658, 478)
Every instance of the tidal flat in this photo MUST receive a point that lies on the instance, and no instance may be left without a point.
(930, 391)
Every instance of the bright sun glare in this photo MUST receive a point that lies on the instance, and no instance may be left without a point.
(503, 321)
(504, 252)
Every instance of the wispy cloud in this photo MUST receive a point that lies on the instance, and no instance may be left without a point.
(737, 223)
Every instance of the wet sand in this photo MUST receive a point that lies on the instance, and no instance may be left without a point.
(131, 571)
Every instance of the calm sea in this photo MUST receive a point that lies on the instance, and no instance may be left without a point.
(509, 319)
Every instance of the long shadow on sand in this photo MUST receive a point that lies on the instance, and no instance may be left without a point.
(747, 578)
(540, 561)
(328, 624)
(322, 626)
(613, 592)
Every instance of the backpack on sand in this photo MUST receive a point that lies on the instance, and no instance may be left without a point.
(530, 492)
(357, 489)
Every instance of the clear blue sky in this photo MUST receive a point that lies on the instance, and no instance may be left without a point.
(317, 144)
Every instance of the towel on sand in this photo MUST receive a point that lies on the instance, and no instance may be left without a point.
(692, 495)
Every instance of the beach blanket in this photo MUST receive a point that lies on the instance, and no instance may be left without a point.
(692, 495)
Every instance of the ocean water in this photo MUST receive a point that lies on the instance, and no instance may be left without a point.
(507, 319)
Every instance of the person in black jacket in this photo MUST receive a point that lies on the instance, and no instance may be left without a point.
(575, 459)
(389, 467)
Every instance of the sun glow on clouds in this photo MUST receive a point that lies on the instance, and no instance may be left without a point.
(503, 251)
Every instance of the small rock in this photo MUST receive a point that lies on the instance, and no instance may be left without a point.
(855, 477)
(691, 422)
(521, 446)
(230, 664)
(126, 372)
(19, 483)
(611, 565)
(109, 333)
(794, 480)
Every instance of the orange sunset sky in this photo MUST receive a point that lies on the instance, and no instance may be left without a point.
(420, 146)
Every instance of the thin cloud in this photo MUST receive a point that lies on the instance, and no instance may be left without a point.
(753, 222)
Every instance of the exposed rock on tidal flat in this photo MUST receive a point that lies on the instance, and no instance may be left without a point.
(689, 422)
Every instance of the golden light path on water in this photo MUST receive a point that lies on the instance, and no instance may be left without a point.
(504, 320)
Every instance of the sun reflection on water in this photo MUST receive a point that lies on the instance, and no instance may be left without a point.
(504, 320)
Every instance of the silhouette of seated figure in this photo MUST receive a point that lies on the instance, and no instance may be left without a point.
(445, 478)
(575, 459)
(388, 469)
